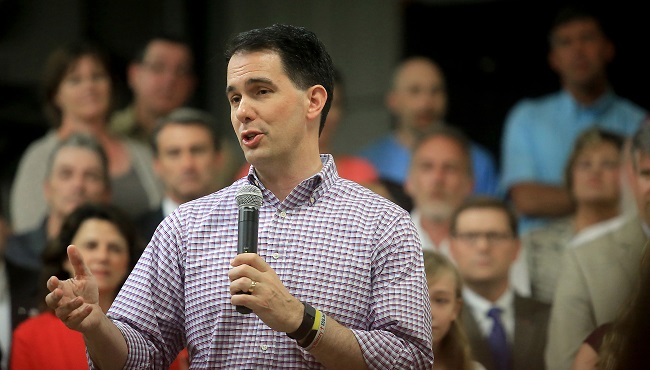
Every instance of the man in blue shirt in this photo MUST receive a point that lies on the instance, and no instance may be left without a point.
(539, 133)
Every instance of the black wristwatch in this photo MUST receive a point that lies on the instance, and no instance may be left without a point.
(305, 327)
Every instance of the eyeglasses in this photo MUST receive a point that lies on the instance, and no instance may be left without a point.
(492, 237)
(160, 68)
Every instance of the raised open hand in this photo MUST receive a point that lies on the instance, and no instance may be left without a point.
(75, 299)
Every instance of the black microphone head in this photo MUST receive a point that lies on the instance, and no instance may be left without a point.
(249, 196)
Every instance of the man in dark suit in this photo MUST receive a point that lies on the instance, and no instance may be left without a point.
(506, 331)
(187, 159)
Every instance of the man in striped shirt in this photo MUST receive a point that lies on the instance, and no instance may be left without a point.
(337, 281)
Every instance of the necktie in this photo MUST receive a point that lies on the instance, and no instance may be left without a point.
(498, 340)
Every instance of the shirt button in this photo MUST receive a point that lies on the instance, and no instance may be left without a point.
(264, 347)
(312, 200)
(283, 214)
(276, 255)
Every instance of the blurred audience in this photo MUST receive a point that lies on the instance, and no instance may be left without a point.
(187, 158)
(539, 133)
(76, 173)
(418, 102)
(506, 331)
(109, 245)
(450, 344)
(161, 78)
(593, 179)
(597, 277)
(78, 93)
(440, 179)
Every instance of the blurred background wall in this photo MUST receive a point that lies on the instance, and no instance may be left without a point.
(492, 51)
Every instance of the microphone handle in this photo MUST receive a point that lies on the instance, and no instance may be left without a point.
(247, 239)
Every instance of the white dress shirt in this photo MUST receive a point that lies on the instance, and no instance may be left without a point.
(480, 306)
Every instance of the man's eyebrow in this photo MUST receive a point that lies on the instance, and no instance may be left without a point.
(252, 81)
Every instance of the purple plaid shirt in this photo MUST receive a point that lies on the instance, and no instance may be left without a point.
(334, 244)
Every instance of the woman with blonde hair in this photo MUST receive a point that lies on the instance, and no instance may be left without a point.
(450, 345)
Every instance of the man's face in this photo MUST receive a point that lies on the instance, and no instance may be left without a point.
(483, 245)
(419, 96)
(642, 185)
(580, 52)
(77, 177)
(596, 174)
(439, 179)
(274, 120)
(187, 161)
(164, 79)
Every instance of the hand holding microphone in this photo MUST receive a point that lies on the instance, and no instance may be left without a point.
(249, 201)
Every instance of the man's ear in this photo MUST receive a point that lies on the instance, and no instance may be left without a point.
(317, 96)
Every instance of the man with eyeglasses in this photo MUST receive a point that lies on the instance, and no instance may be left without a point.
(440, 178)
(161, 79)
(506, 331)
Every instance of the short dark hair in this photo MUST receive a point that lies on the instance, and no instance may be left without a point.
(59, 63)
(187, 116)
(484, 202)
(55, 253)
(139, 55)
(575, 12)
(304, 57)
(83, 141)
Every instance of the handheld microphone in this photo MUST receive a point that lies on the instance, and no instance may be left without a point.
(249, 201)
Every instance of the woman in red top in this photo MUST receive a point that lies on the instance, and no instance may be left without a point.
(110, 246)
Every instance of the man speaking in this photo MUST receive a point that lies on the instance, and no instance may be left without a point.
(337, 281)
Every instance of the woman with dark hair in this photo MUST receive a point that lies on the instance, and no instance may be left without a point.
(78, 92)
(451, 348)
(110, 246)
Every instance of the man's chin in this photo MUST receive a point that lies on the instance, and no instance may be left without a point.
(437, 212)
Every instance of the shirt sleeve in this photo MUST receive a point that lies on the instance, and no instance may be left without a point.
(399, 336)
(149, 310)
(571, 315)
(517, 161)
(486, 178)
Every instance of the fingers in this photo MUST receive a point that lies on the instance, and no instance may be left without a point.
(52, 283)
(243, 284)
(53, 298)
(74, 318)
(246, 271)
(251, 259)
(80, 268)
(65, 309)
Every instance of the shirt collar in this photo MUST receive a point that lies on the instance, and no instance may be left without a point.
(309, 190)
(168, 206)
(599, 106)
(482, 305)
